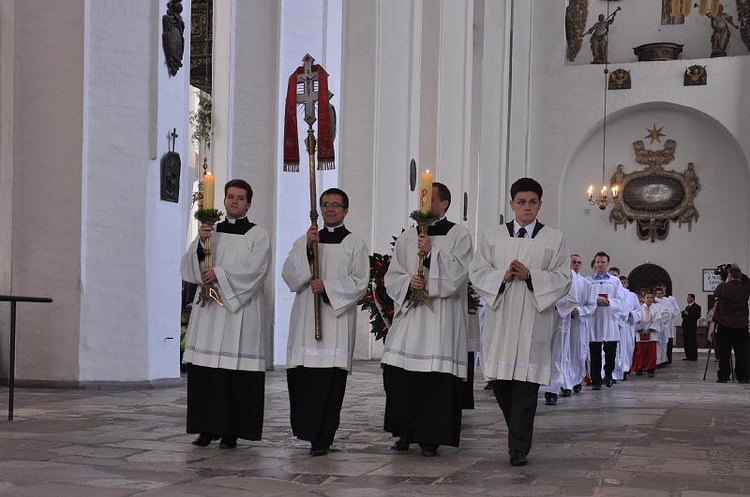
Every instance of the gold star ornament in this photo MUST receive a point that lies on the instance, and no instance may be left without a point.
(654, 134)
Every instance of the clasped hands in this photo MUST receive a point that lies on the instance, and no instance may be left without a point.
(516, 269)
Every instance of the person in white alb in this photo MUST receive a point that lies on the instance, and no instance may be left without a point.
(604, 323)
(570, 344)
(317, 370)
(630, 316)
(425, 356)
(666, 339)
(521, 270)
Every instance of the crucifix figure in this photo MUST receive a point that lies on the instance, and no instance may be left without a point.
(309, 94)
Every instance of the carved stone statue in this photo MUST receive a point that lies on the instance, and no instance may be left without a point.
(720, 23)
(600, 37)
(172, 36)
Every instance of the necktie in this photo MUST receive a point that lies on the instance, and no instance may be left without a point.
(521, 233)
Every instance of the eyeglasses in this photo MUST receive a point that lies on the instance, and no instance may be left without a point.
(332, 205)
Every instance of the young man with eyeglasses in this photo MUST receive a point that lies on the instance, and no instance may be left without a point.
(317, 370)
(521, 269)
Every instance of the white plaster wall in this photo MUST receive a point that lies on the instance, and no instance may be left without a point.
(639, 22)
(314, 27)
(130, 281)
(710, 123)
(47, 185)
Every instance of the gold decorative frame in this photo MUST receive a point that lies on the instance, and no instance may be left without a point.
(654, 197)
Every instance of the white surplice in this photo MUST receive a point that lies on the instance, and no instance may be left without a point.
(233, 336)
(345, 271)
(517, 332)
(421, 339)
(570, 344)
(630, 316)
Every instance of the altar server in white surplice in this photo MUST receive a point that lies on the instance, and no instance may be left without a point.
(631, 314)
(666, 337)
(317, 369)
(425, 355)
(604, 329)
(521, 270)
(570, 343)
(226, 351)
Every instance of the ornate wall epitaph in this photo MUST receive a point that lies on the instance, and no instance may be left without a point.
(654, 197)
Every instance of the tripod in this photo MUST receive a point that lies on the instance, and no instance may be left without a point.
(708, 359)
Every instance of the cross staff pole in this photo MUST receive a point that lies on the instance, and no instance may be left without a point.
(308, 82)
(310, 145)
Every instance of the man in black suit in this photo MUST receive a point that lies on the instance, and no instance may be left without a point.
(690, 317)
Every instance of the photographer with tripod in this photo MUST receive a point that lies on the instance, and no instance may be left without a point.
(731, 315)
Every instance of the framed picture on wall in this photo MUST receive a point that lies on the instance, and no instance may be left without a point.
(710, 280)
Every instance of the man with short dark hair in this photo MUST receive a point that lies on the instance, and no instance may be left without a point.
(732, 316)
(226, 350)
(425, 356)
(690, 316)
(521, 269)
(604, 323)
(317, 370)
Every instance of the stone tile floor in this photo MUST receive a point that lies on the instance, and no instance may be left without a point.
(673, 435)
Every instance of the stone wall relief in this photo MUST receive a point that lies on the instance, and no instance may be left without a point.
(654, 197)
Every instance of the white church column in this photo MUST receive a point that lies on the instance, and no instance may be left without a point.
(314, 27)
(453, 102)
(89, 228)
(245, 90)
(492, 160)
(131, 240)
(7, 74)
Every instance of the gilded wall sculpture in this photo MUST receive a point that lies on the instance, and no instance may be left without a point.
(576, 14)
(654, 197)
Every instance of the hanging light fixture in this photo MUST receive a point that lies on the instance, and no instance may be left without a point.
(607, 194)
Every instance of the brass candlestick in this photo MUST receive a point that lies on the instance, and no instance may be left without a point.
(423, 219)
(208, 291)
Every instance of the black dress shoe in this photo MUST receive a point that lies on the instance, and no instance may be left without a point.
(428, 450)
(401, 445)
(721, 381)
(550, 399)
(651, 374)
(625, 376)
(228, 443)
(577, 388)
(566, 392)
(318, 450)
(488, 386)
(204, 439)
(596, 386)
(517, 458)
(609, 381)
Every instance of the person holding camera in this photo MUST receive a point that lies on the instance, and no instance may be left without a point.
(731, 316)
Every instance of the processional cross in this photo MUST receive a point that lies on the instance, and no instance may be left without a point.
(308, 86)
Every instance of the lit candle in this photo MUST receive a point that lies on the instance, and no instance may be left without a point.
(208, 190)
(615, 191)
(425, 191)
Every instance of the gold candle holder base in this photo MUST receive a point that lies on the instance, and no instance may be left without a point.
(421, 296)
(208, 291)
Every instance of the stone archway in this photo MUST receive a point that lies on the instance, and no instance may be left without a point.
(648, 276)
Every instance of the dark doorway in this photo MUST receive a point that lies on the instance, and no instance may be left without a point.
(648, 276)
